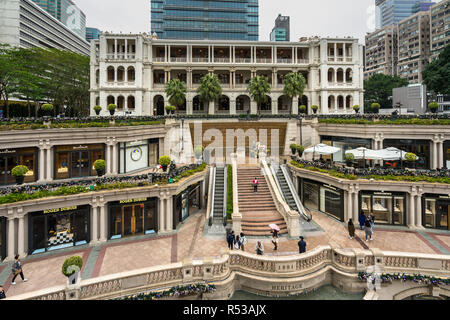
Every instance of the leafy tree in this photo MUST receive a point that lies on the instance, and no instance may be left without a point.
(294, 85)
(259, 88)
(378, 88)
(210, 88)
(176, 91)
(436, 75)
(7, 74)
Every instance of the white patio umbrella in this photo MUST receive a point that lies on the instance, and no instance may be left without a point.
(391, 154)
(322, 149)
(364, 154)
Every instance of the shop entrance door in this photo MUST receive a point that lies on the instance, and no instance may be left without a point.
(443, 215)
(7, 163)
(133, 219)
(80, 164)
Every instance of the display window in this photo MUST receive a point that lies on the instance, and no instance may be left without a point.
(133, 217)
(59, 228)
(436, 212)
(2, 238)
(138, 155)
(77, 161)
(344, 144)
(446, 151)
(388, 208)
(9, 158)
(419, 147)
(186, 203)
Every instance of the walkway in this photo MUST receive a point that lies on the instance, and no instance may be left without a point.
(190, 242)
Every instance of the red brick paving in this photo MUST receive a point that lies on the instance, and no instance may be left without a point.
(442, 239)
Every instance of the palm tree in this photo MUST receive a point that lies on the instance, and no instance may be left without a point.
(294, 85)
(259, 88)
(209, 89)
(176, 91)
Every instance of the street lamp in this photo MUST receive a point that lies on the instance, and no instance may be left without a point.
(300, 118)
(182, 134)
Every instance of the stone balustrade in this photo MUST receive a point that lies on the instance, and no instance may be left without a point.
(293, 271)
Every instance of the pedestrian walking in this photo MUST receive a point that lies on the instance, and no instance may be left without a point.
(230, 240)
(351, 229)
(274, 232)
(259, 248)
(302, 245)
(255, 184)
(362, 220)
(372, 221)
(17, 269)
(368, 230)
(2, 293)
(243, 241)
(237, 243)
(275, 241)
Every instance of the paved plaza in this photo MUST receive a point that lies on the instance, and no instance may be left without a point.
(191, 242)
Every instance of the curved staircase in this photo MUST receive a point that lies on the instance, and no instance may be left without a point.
(257, 209)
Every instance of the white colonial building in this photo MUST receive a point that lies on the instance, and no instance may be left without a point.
(131, 71)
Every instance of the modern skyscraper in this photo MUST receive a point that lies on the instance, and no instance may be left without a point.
(205, 19)
(391, 12)
(281, 31)
(92, 34)
(66, 12)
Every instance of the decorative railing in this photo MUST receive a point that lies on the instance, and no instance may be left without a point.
(348, 262)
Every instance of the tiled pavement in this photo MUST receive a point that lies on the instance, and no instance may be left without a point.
(190, 241)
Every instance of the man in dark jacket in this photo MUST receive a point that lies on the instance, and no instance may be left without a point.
(230, 240)
(302, 245)
(2, 293)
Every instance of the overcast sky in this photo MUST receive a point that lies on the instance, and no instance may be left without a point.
(308, 17)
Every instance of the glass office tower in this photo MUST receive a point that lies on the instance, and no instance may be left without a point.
(67, 13)
(205, 19)
(92, 34)
(391, 12)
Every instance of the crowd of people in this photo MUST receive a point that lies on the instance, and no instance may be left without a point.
(366, 223)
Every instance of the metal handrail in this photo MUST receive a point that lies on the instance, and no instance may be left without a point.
(302, 209)
(225, 194)
(212, 193)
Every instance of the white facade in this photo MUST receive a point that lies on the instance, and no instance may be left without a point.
(131, 71)
(24, 24)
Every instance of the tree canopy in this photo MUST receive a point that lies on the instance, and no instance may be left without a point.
(436, 75)
(41, 76)
(176, 91)
(210, 88)
(259, 88)
(378, 88)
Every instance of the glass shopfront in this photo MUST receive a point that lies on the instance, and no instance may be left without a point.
(322, 197)
(388, 208)
(77, 161)
(345, 144)
(133, 217)
(9, 158)
(2, 238)
(59, 228)
(436, 211)
(447, 154)
(421, 148)
(138, 155)
(186, 203)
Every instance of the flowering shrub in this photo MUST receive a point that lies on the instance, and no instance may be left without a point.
(386, 277)
(177, 291)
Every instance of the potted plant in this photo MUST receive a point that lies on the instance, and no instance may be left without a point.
(97, 110)
(356, 108)
(19, 173)
(314, 108)
(198, 150)
(293, 148)
(375, 107)
(433, 106)
(71, 268)
(112, 108)
(164, 161)
(302, 109)
(300, 150)
(171, 109)
(349, 157)
(47, 109)
(99, 166)
(411, 158)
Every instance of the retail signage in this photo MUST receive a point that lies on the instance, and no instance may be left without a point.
(444, 197)
(7, 151)
(80, 147)
(133, 200)
(330, 187)
(382, 194)
(61, 209)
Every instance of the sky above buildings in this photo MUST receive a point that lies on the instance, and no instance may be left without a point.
(308, 18)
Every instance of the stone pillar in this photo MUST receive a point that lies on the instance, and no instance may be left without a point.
(126, 49)
(295, 105)
(41, 164)
(11, 239)
(440, 147)
(349, 195)
(49, 160)
(274, 106)
(94, 225)
(253, 107)
(336, 104)
(21, 237)
(115, 161)
(233, 106)
(418, 210)
(169, 215)
(189, 106)
(161, 215)
(108, 159)
(115, 50)
(103, 223)
(411, 211)
(355, 206)
(435, 156)
(211, 109)
(324, 102)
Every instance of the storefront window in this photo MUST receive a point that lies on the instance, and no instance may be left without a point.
(344, 143)
(331, 201)
(419, 147)
(11, 158)
(186, 203)
(59, 228)
(77, 161)
(138, 155)
(436, 212)
(447, 154)
(311, 195)
(132, 217)
(386, 207)
(2, 238)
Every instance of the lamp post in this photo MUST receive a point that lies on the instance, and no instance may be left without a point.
(300, 118)
(182, 134)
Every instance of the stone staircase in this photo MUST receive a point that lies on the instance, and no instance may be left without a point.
(257, 209)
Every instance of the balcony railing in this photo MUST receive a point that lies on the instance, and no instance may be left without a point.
(243, 60)
(178, 59)
(199, 59)
(284, 60)
(303, 61)
(158, 59)
(263, 60)
(222, 60)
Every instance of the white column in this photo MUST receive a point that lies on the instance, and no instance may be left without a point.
(233, 106)
(274, 106)
(440, 155)
(94, 225)
(103, 223)
(126, 48)
(11, 239)
(41, 164)
(335, 52)
(169, 215)
(355, 206)
(435, 156)
(115, 48)
(418, 210)
(161, 214)
(115, 160)
(49, 161)
(411, 212)
(349, 206)
(108, 159)
(336, 104)
(295, 105)
(21, 237)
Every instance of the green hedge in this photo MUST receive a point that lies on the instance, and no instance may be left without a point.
(230, 191)
(416, 121)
